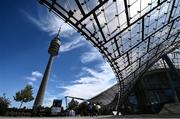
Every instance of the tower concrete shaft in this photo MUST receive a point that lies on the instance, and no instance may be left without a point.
(40, 95)
(53, 51)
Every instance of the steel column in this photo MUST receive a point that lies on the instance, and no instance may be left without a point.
(174, 71)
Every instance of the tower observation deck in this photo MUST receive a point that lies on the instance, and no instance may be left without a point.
(132, 35)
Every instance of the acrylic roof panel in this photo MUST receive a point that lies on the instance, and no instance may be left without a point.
(131, 34)
(107, 96)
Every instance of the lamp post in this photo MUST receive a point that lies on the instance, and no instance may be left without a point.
(53, 51)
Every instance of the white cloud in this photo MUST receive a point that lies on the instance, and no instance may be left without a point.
(90, 56)
(31, 78)
(77, 42)
(50, 23)
(35, 75)
(30, 83)
(94, 82)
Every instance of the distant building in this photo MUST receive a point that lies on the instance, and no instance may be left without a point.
(56, 107)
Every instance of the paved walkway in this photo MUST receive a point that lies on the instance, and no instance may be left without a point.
(77, 117)
(49, 117)
(101, 117)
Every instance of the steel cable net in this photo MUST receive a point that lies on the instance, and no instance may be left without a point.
(131, 34)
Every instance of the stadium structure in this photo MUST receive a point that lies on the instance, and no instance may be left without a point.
(140, 41)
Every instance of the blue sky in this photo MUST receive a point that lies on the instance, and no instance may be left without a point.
(26, 30)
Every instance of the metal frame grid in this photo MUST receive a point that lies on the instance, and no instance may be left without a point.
(175, 58)
(131, 34)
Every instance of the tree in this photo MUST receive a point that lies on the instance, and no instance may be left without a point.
(24, 95)
(4, 104)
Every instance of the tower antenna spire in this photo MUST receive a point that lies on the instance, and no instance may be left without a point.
(59, 31)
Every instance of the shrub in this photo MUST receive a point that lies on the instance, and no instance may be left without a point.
(4, 104)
